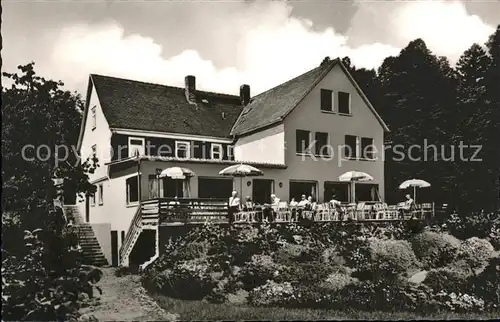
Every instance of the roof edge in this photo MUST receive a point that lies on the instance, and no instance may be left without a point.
(296, 103)
(90, 86)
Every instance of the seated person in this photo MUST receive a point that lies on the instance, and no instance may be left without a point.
(293, 203)
(408, 207)
(303, 202)
(249, 205)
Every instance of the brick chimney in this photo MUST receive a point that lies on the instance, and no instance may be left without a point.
(190, 87)
(244, 94)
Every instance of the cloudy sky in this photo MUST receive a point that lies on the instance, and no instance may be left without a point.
(228, 43)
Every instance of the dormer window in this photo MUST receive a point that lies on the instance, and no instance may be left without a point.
(344, 103)
(216, 151)
(136, 146)
(183, 149)
(93, 115)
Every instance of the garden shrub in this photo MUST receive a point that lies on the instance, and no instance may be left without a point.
(338, 280)
(271, 294)
(303, 273)
(190, 279)
(487, 284)
(435, 249)
(258, 271)
(477, 224)
(448, 279)
(388, 259)
(475, 252)
(31, 290)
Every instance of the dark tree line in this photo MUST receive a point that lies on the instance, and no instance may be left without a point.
(425, 101)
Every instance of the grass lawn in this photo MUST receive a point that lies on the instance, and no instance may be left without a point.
(198, 310)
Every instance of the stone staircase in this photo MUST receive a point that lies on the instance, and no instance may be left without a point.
(92, 251)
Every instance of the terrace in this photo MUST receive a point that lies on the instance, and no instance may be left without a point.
(171, 211)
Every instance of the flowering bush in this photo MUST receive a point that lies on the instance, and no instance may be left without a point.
(303, 273)
(475, 252)
(457, 302)
(479, 225)
(271, 294)
(435, 249)
(448, 278)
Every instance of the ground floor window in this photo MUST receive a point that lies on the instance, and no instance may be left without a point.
(215, 187)
(339, 189)
(299, 188)
(367, 192)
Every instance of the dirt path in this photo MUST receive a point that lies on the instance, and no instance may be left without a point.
(124, 299)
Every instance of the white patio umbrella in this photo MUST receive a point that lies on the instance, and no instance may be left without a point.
(415, 183)
(241, 170)
(353, 176)
(177, 173)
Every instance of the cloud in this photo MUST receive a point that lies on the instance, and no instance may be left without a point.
(271, 46)
(445, 26)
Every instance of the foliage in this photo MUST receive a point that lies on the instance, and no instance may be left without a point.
(457, 302)
(36, 112)
(475, 252)
(480, 225)
(43, 277)
(449, 278)
(435, 249)
(30, 291)
(271, 293)
(388, 259)
(487, 284)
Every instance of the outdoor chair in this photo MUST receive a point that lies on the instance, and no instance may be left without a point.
(283, 213)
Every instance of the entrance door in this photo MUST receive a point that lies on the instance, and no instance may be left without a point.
(173, 188)
(339, 189)
(262, 189)
(299, 188)
(114, 248)
(87, 209)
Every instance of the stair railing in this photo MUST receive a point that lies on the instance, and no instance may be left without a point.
(135, 226)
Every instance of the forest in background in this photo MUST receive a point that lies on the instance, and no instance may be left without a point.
(422, 97)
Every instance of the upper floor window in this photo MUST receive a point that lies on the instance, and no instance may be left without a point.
(216, 151)
(326, 100)
(101, 194)
(136, 146)
(132, 187)
(344, 103)
(321, 145)
(367, 148)
(351, 146)
(93, 114)
(302, 141)
(230, 152)
(183, 149)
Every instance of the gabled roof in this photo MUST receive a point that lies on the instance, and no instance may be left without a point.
(272, 107)
(129, 104)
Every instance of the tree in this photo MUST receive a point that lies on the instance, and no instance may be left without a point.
(38, 116)
(44, 278)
